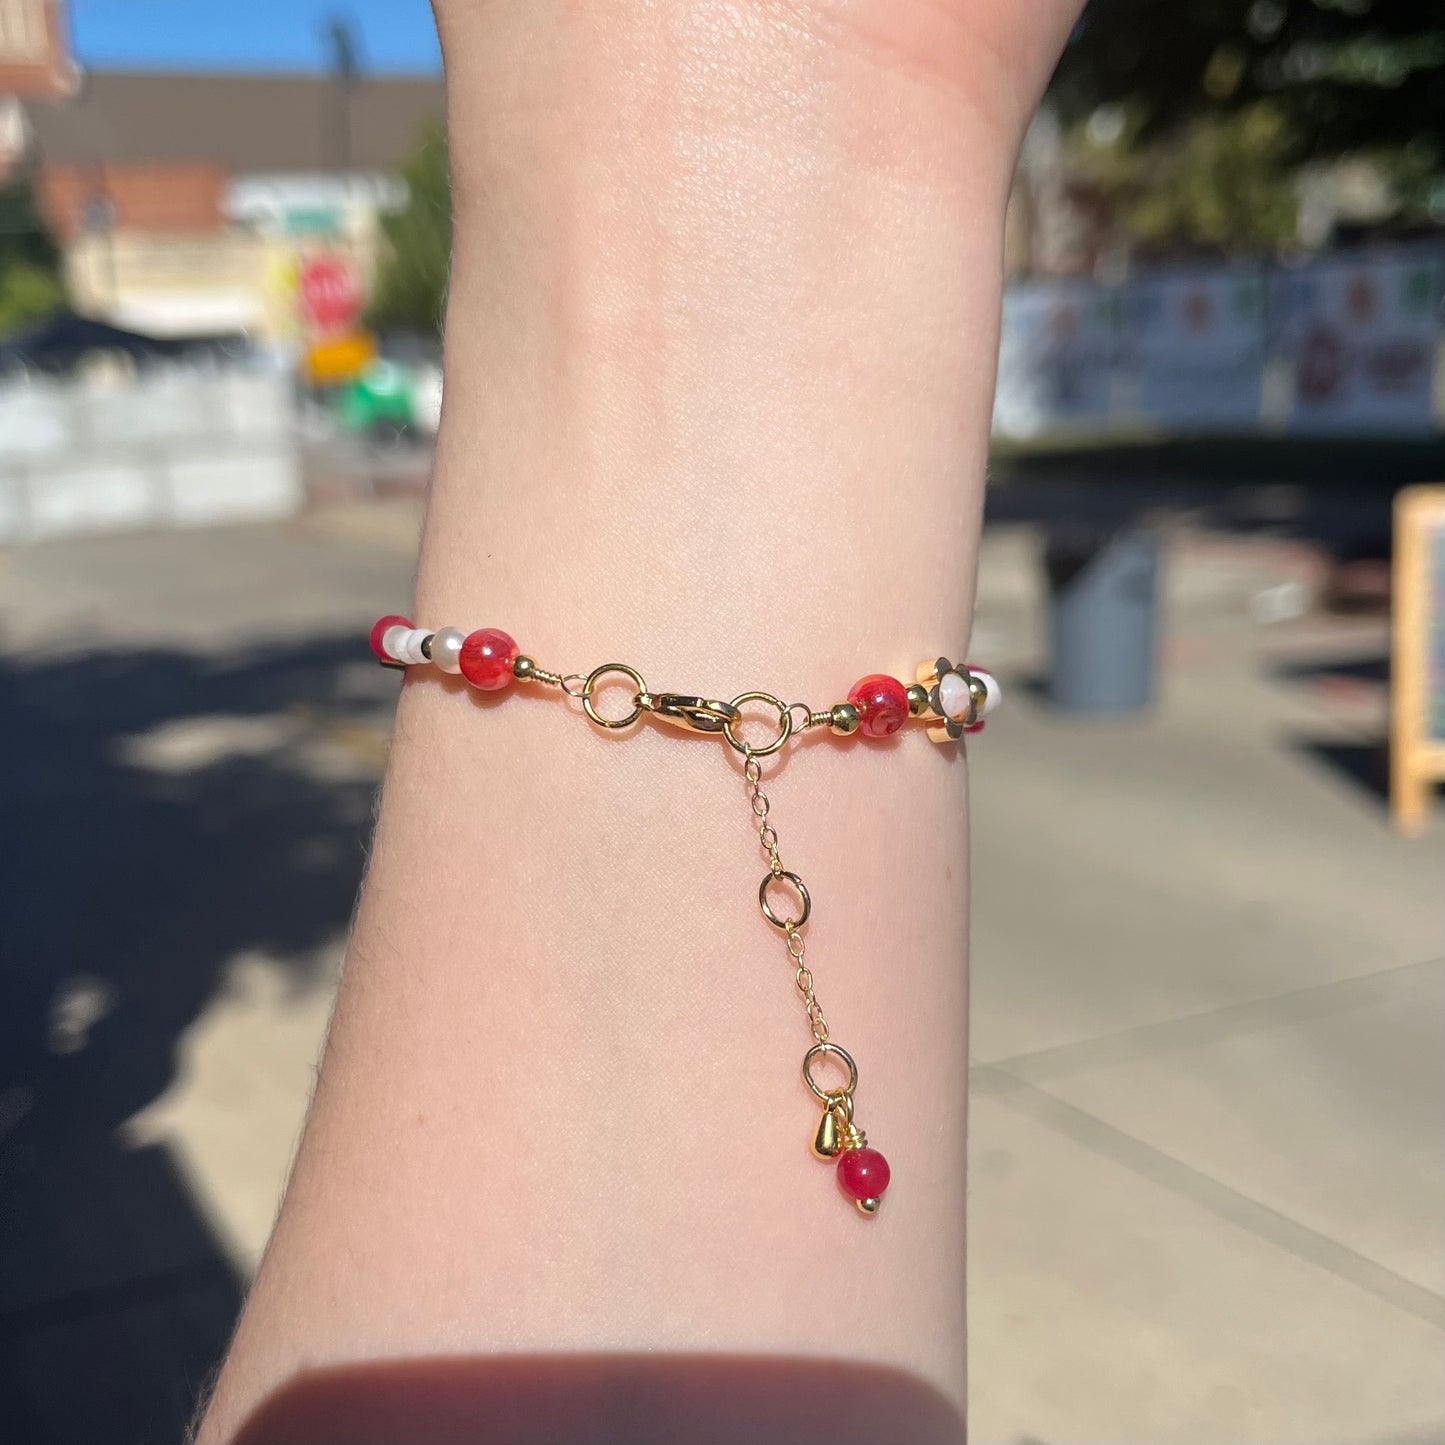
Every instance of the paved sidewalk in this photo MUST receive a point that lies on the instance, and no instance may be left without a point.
(1207, 1120)
(1207, 982)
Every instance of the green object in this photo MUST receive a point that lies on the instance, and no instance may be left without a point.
(381, 397)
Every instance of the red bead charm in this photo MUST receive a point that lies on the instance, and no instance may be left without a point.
(383, 626)
(882, 704)
(862, 1173)
(486, 659)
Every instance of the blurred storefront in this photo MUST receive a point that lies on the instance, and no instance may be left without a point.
(191, 204)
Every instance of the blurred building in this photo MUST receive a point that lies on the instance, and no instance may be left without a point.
(188, 203)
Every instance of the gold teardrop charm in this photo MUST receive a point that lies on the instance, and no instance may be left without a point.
(827, 1141)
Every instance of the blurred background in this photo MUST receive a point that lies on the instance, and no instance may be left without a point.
(1207, 1096)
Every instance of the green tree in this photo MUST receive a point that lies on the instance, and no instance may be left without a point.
(30, 284)
(1345, 75)
(412, 283)
(1224, 101)
(1222, 182)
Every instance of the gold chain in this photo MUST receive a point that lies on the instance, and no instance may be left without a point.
(838, 1136)
(791, 927)
(948, 700)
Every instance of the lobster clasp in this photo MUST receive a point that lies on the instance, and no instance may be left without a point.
(695, 714)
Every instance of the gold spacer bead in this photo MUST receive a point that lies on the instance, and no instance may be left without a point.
(523, 667)
(868, 1206)
(917, 700)
(978, 693)
(845, 718)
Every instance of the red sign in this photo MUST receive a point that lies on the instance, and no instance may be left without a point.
(330, 296)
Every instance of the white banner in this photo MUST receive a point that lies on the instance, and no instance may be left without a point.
(1361, 334)
(1192, 347)
(1055, 351)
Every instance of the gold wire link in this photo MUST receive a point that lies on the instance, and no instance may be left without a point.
(810, 717)
(792, 928)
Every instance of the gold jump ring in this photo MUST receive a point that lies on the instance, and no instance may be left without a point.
(785, 725)
(788, 925)
(818, 1051)
(589, 707)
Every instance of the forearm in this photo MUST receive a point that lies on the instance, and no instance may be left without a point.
(719, 368)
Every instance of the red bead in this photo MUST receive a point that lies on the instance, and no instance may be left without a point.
(383, 626)
(882, 704)
(862, 1173)
(486, 659)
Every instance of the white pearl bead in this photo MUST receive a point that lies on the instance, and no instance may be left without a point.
(995, 691)
(953, 698)
(446, 649)
(411, 645)
(392, 639)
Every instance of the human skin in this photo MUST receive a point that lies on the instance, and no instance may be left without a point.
(719, 367)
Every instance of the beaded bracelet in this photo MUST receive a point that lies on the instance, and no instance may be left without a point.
(948, 701)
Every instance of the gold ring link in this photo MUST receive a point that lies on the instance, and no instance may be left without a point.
(789, 926)
(748, 750)
(590, 687)
(823, 1049)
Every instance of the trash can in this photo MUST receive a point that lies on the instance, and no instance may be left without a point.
(1103, 618)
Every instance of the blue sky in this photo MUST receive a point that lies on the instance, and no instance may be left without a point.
(396, 35)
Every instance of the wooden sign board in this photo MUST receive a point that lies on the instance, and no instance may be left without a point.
(1417, 655)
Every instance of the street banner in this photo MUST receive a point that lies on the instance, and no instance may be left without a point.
(1191, 347)
(1361, 333)
(1055, 353)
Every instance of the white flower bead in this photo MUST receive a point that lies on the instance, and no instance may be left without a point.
(446, 649)
(953, 699)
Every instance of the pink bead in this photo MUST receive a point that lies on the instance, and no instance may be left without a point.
(882, 704)
(862, 1173)
(383, 625)
(486, 659)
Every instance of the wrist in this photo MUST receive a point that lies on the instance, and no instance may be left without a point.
(707, 321)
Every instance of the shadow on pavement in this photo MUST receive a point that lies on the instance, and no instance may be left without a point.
(1344, 681)
(127, 888)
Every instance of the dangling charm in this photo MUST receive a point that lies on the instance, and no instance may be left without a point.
(863, 1173)
(829, 1138)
